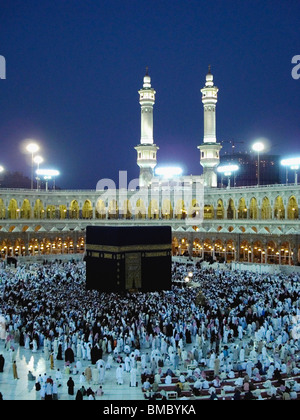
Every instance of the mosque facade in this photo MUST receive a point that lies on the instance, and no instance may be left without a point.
(257, 224)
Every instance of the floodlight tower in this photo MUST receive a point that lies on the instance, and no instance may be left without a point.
(210, 149)
(227, 170)
(258, 147)
(147, 149)
(294, 164)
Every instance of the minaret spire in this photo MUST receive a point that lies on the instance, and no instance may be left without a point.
(210, 149)
(146, 150)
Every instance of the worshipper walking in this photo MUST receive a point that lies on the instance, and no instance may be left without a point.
(15, 370)
(52, 361)
(119, 375)
(79, 396)
(2, 363)
(133, 374)
(88, 374)
(70, 385)
(250, 301)
(69, 355)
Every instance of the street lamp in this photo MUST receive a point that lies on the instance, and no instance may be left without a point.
(48, 174)
(1, 172)
(227, 170)
(168, 171)
(258, 147)
(294, 164)
(38, 160)
(32, 148)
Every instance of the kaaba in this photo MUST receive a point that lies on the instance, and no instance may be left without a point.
(120, 259)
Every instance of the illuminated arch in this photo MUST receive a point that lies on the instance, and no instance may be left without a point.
(25, 211)
(207, 248)
(100, 209)
(68, 245)
(19, 247)
(266, 209)
(258, 252)
(279, 210)
(230, 250)
(175, 245)
(38, 210)
(253, 209)
(293, 209)
(13, 209)
(209, 211)
(74, 210)
(87, 210)
(113, 209)
(140, 209)
(197, 248)
(2, 209)
(50, 211)
(219, 250)
(180, 210)
(242, 210)
(194, 209)
(62, 211)
(127, 210)
(286, 253)
(183, 246)
(245, 251)
(45, 246)
(33, 246)
(231, 209)
(5, 247)
(272, 256)
(153, 209)
(220, 209)
(80, 246)
(167, 210)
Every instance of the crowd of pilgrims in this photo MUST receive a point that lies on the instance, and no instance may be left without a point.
(221, 320)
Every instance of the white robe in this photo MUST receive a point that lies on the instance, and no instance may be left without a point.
(96, 376)
(101, 374)
(133, 377)
(119, 375)
(127, 364)
(2, 328)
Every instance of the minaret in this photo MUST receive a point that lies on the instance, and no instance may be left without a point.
(209, 149)
(146, 150)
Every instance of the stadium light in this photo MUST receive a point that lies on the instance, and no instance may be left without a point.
(258, 147)
(38, 160)
(48, 174)
(168, 171)
(294, 164)
(32, 148)
(227, 170)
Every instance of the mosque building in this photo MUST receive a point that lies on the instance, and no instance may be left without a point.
(253, 224)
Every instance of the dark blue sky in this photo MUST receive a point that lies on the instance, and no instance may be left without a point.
(74, 69)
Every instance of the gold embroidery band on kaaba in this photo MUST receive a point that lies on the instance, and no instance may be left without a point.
(128, 248)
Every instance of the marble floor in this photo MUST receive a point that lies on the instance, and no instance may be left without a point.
(23, 389)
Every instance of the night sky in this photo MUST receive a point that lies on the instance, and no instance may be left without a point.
(74, 68)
